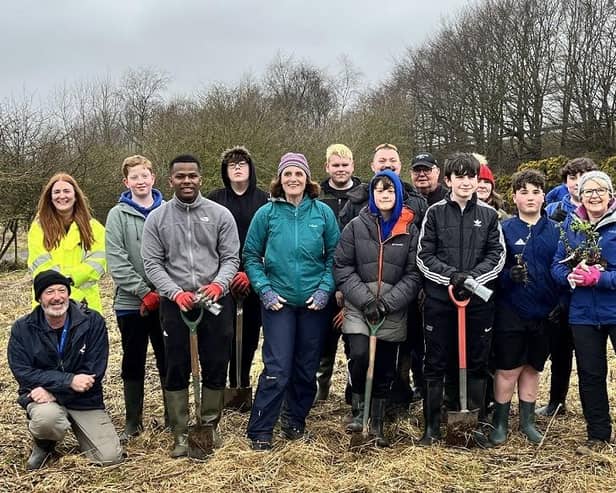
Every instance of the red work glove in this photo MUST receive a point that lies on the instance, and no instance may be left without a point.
(240, 285)
(185, 300)
(212, 291)
(151, 301)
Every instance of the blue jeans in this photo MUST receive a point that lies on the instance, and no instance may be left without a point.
(292, 339)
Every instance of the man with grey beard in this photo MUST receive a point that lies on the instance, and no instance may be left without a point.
(58, 355)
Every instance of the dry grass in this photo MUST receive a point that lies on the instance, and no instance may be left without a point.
(323, 465)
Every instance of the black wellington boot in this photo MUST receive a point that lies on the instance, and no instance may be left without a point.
(357, 409)
(133, 402)
(377, 418)
(433, 400)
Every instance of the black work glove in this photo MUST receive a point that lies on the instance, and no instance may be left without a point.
(383, 311)
(559, 215)
(371, 312)
(518, 274)
(555, 315)
(457, 279)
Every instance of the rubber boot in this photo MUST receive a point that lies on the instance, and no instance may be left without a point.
(500, 422)
(357, 408)
(527, 422)
(451, 397)
(477, 396)
(324, 377)
(41, 451)
(177, 404)
(377, 417)
(476, 400)
(212, 402)
(166, 415)
(133, 403)
(433, 400)
(550, 409)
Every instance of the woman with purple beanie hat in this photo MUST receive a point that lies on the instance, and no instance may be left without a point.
(288, 256)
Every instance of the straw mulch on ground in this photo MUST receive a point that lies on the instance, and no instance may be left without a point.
(324, 464)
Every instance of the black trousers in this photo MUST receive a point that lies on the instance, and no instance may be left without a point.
(250, 339)
(214, 336)
(135, 332)
(410, 357)
(441, 335)
(384, 365)
(561, 355)
(330, 345)
(591, 356)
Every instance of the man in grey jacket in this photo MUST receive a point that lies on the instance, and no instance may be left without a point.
(190, 244)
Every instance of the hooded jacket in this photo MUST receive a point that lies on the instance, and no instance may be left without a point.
(242, 207)
(367, 267)
(537, 245)
(358, 199)
(123, 233)
(291, 249)
(594, 305)
(186, 246)
(565, 204)
(452, 241)
(85, 268)
(34, 359)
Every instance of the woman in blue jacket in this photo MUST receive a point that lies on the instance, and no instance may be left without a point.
(586, 262)
(288, 256)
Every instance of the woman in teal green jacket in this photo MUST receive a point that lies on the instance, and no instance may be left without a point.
(288, 256)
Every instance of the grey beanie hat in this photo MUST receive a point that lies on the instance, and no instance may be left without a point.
(595, 175)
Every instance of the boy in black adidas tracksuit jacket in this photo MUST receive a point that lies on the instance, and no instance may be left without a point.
(460, 237)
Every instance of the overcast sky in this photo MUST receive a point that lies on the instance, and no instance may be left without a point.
(46, 43)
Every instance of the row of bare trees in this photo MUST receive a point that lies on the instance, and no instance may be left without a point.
(514, 79)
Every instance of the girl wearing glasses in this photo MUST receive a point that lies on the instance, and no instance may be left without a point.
(586, 262)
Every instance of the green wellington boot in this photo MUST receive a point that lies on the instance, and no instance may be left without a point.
(177, 405)
(133, 403)
(527, 422)
(500, 422)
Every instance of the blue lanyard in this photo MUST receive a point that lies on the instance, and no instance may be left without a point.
(63, 337)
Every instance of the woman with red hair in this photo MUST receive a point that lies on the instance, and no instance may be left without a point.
(65, 237)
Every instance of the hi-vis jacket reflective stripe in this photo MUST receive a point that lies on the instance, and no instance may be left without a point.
(69, 258)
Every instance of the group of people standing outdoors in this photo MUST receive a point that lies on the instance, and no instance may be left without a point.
(307, 263)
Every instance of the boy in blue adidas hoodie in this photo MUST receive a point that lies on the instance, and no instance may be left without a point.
(527, 295)
(136, 301)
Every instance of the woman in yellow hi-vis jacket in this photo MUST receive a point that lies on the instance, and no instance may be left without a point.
(65, 237)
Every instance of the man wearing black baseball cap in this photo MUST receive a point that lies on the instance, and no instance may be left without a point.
(425, 174)
(58, 355)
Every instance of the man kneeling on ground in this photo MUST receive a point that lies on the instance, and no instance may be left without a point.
(58, 354)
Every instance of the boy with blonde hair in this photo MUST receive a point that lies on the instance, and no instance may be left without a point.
(136, 300)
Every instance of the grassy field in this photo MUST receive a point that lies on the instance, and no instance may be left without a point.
(325, 464)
